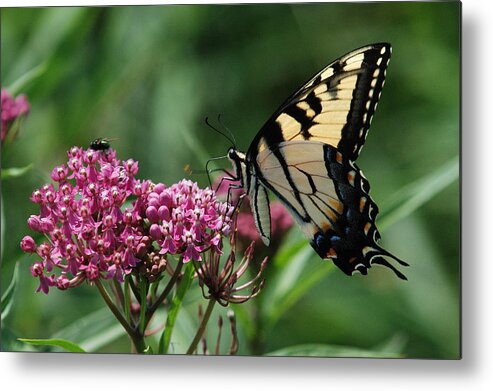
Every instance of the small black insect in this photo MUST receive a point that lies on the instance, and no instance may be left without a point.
(100, 144)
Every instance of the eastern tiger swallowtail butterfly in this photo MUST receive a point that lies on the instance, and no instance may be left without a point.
(305, 155)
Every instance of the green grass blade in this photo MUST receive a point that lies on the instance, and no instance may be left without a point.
(8, 296)
(414, 195)
(321, 350)
(27, 78)
(185, 283)
(14, 172)
(61, 343)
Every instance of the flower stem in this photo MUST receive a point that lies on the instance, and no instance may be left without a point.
(166, 291)
(143, 305)
(201, 328)
(119, 293)
(127, 299)
(136, 339)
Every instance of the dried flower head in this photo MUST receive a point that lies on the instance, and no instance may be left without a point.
(220, 281)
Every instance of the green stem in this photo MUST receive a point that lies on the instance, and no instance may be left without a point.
(201, 328)
(174, 308)
(135, 291)
(119, 293)
(166, 291)
(127, 299)
(143, 305)
(137, 339)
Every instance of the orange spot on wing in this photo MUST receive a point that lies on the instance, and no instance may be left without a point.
(362, 203)
(350, 177)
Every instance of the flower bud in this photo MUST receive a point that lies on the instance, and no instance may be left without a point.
(156, 232)
(62, 282)
(34, 223)
(152, 214)
(28, 245)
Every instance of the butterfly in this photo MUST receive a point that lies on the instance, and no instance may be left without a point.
(305, 154)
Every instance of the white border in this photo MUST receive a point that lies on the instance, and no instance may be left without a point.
(473, 372)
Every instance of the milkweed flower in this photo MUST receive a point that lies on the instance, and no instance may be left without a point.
(12, 109)
(91, 232)
(187, 220)
(102, 223)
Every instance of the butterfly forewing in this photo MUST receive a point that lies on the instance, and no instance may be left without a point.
(335, 107)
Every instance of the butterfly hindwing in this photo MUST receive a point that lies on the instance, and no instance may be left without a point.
(329, 196)
(335, 107)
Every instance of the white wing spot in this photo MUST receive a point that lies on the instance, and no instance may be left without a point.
(327, 73)
(383, 50)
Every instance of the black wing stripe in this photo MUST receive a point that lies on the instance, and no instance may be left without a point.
(261, 210)
(365, 99)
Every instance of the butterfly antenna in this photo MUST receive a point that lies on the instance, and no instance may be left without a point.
(209, 171)
(218, 131)
(229, 131)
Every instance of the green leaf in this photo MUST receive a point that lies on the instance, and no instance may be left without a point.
(62, 343)
(8, 296)
(185, 283)
(414, 195)
(93, 331)
(27, 78)
(321, 350)
(292, 281)
(9, 173)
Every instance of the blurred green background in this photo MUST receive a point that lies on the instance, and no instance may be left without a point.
(149, 75)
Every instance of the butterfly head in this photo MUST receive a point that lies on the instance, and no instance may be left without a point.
(238, 160)
(234, 155)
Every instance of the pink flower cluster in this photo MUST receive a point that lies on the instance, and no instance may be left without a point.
(93, 230)
(12, 108)
(187, 220)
